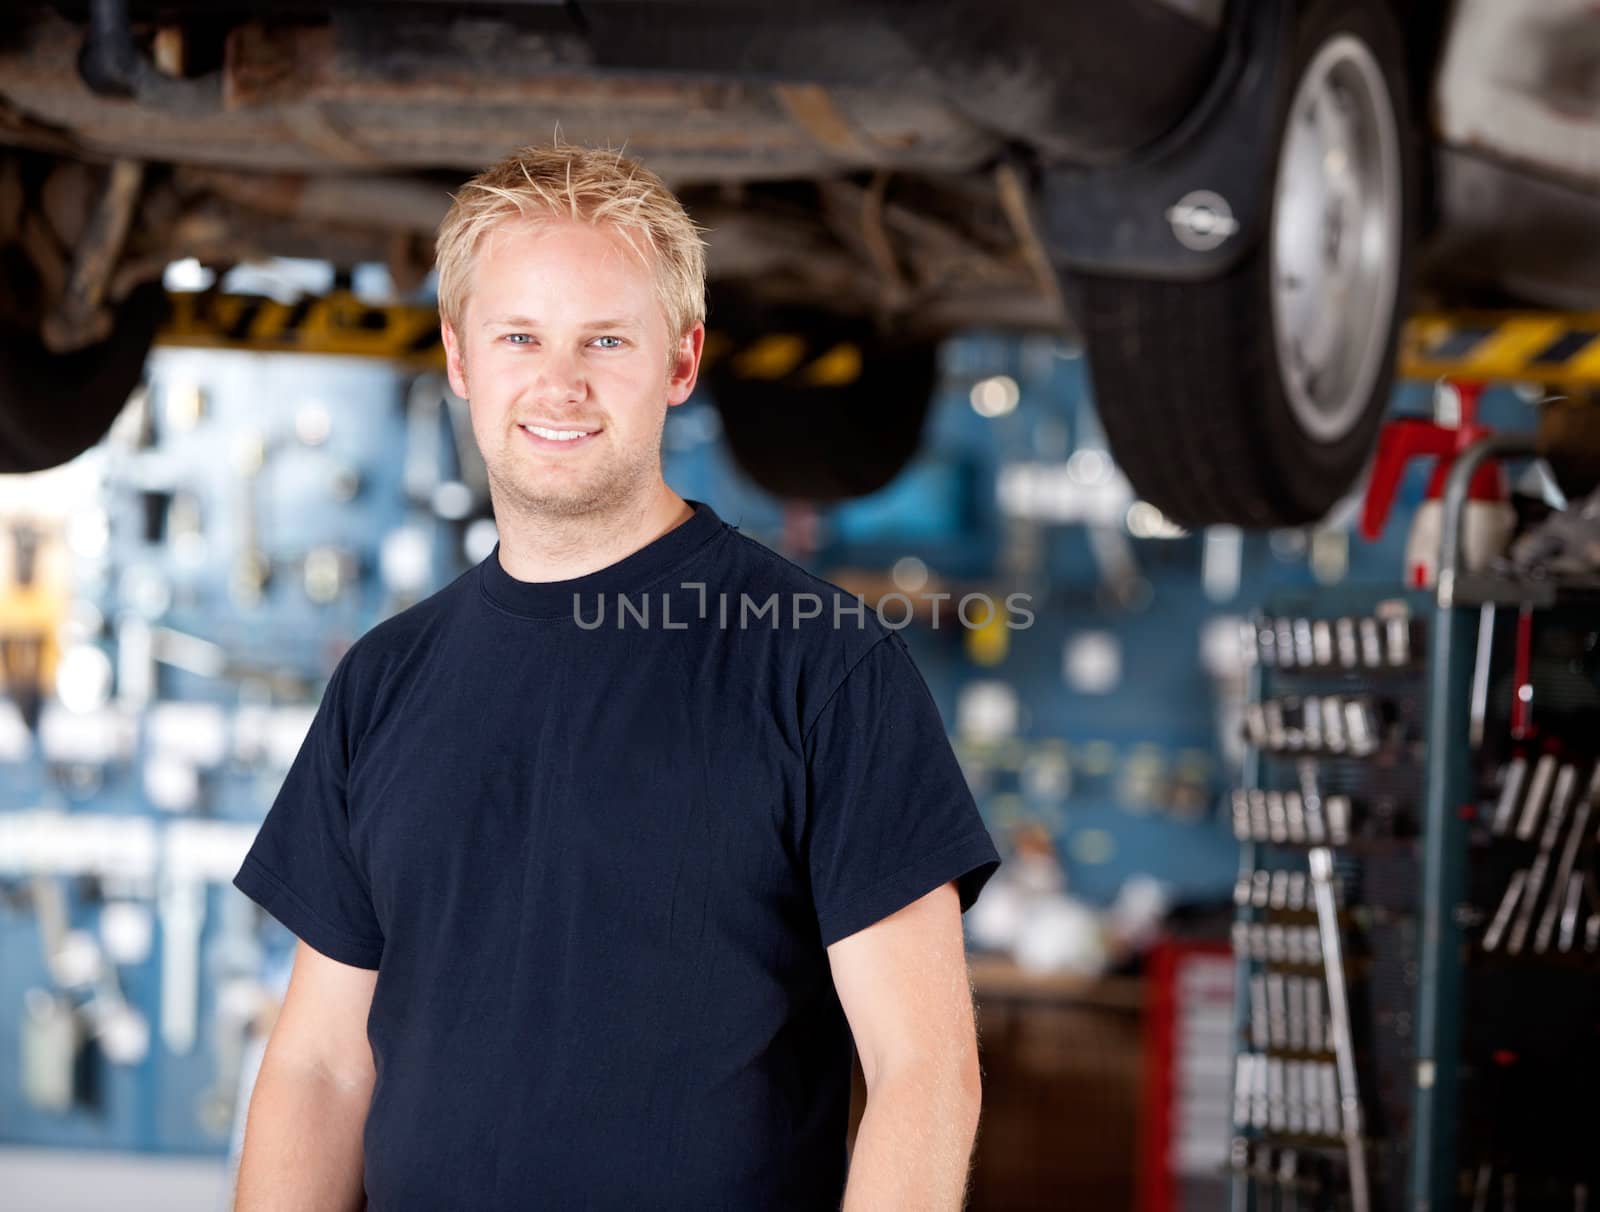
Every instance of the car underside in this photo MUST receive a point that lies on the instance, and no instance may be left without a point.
(905, 169)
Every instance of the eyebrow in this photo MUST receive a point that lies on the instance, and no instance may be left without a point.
(526, 322)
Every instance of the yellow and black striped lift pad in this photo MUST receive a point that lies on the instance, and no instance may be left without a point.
(1555, 349)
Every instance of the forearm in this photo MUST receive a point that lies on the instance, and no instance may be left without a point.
(913, 1148)
(302, 1143)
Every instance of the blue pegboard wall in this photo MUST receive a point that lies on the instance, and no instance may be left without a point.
(333, 457)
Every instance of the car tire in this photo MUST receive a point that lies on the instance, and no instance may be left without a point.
(54, 406)
(1210, 400)
(816, 405)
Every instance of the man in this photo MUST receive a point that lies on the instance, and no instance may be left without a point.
(602, 855)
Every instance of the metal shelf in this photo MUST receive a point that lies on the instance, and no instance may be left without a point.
(1487, 589)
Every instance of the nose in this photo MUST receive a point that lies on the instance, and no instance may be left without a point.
(559, 379)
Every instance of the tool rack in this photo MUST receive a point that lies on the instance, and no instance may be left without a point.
(1325, 935)
(1372, 872)
(1492, 1115)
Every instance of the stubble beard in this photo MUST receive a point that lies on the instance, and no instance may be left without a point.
(604, 489)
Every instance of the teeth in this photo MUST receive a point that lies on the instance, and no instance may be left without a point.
(559, 435)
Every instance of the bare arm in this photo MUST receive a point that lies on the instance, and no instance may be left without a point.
(904, 987)
(302, 1141)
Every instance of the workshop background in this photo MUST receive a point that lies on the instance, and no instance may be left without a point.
(1299, 907)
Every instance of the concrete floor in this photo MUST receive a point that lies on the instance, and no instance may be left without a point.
(70, 1180)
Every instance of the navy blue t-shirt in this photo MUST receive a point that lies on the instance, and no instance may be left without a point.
(596, 835)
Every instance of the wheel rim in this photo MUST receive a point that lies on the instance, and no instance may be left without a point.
(1336, 235)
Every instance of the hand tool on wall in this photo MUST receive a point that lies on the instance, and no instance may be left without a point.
(1397, 635)
(1478, 709)
(1522, 677)
(1316, 1031)
(1304, 649)
(1333, 723)
(1559, 798)
(1294, 1097)
(1480, 1188)
(1569, 915)
(1311, 1091)
(1311, 722)
(1288, 1181)
(1258, 1094)
(1321, 864)
(1543, 775)
(1502, 915)
(1276, 1092)
(1260, 1036)
(1344, 634)
(1277, 1011)
(1569, 856)
(1505, 809)
(1339, 814)
(1277, 821)
(1295, 810)
(1591, 928)
(1322, 642)
(1295, 1013)
(1371, 649)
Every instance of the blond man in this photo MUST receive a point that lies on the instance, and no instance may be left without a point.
(603, 856)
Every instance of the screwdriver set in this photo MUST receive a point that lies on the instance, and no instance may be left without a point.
(1325, 930)
(1530, 1002)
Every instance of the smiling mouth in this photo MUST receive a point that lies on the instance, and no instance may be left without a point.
(549, 436)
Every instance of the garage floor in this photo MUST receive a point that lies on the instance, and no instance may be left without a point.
(49, 1180)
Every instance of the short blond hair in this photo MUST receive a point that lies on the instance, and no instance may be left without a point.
(560, 182)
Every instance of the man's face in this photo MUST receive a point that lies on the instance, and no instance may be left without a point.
(562, 333)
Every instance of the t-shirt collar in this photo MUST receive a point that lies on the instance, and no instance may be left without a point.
(631, 574)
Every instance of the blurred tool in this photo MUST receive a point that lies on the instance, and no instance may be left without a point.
(1489, 518)
(30, 613)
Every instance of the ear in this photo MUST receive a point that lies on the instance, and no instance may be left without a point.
(686, 365)
(454, 361)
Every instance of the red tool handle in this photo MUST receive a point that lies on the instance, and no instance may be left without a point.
(1408, 438)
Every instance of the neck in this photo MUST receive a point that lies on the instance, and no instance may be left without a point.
(561, 547)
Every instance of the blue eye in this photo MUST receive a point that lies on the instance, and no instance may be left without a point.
(518, 338)
(618, 341)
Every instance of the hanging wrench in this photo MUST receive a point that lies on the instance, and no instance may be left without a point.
(1344, 1052)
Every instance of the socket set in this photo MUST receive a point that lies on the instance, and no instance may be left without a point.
(1292, 818)
(1278, 890)
(1387, 640)
(1288, 1178)
(1325, 906)
(1288, 1013)
(1276, 943)
(1338, 725)
(1298, 1098)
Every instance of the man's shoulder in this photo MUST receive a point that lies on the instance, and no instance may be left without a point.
(822, 629)
(760, 572)
(395, 639)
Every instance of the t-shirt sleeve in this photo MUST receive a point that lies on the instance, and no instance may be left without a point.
(889, 814)
(301, 868)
